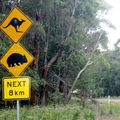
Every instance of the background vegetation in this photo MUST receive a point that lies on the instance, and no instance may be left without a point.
(65, 40)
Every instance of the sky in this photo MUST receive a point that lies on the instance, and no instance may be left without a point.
(114, 17)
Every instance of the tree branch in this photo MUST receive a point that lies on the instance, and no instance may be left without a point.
(58, 53)
(89, 62)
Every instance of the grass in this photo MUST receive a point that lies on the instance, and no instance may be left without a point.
(107, 111)
(60, 112)
(112, 108)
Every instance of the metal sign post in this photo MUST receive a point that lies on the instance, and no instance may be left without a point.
(18, 110)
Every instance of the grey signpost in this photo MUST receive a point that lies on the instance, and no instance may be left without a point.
(18, 110)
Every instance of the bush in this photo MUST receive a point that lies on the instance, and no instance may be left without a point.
(89, 115)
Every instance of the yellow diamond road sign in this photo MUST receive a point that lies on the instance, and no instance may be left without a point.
(16, 88)
(16, 24)
(16, 59)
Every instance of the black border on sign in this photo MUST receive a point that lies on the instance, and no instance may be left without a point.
(26, 29)
(16, 78)
(25, 67)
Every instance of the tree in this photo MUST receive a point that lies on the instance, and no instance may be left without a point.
(110, 77)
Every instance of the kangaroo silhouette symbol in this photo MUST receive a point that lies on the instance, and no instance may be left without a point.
(15, 23)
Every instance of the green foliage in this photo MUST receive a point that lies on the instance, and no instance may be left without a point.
(4, 43)
(56, 97)
(41, 30)
(35, 79)
(89, 115)
(105, 62)
(110, 75)
(76, 116)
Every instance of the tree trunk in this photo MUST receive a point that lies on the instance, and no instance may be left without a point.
(65, 90)
(45, 91)
(36, 53)
(43, 101)
(2, 8)
(36, 42)
(75, 81)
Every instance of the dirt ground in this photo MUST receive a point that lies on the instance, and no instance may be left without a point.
(106, 117)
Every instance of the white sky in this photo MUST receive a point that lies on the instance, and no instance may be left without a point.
(114, 17)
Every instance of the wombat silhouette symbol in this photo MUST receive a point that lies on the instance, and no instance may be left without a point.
(15, 23)
(17, 59)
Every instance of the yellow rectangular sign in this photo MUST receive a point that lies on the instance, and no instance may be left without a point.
(16, 88)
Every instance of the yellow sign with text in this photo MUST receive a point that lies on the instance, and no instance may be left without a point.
(16, 59)
(16, 88)
(15, 24)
